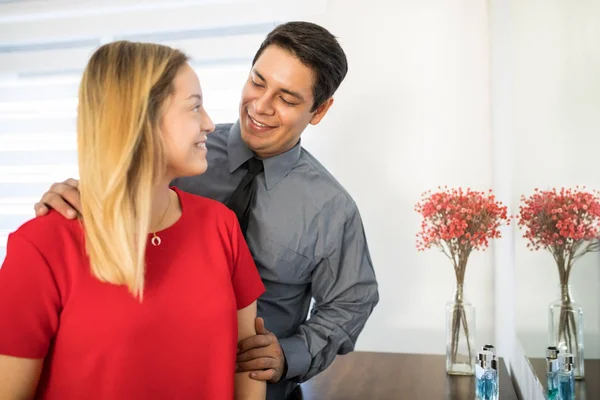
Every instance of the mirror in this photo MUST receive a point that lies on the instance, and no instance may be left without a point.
(557, 125)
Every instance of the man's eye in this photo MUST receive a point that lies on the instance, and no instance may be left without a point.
(288, 103)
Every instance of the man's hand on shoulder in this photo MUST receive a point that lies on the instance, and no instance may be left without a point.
(62, 197)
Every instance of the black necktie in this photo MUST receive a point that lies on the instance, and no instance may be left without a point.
(242, 199)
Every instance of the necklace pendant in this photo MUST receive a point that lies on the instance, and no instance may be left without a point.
(155, 241)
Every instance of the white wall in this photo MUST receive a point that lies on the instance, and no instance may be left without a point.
(413, 113)
(556, 118)
(505, 171)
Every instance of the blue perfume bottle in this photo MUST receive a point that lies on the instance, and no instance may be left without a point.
(490, 347)
(486, 376)
(566, 377)
(552, 372)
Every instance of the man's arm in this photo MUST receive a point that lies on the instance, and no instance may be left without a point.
(345, 291)
(64, 197)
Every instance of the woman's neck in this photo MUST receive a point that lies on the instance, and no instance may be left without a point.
(164, 204)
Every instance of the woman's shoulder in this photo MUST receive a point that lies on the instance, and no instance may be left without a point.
(200, 205)
(48, 230)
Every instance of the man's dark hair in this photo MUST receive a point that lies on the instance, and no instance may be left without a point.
(316, 48)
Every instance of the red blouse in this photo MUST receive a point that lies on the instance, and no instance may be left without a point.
(98, 341)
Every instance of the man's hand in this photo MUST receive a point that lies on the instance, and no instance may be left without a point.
(63, 197)
(261, 355)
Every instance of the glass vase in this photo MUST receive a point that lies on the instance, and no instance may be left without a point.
(460, 335)
(565, 328)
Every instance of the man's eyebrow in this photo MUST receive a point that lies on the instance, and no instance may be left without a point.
(262, 78)
(294, 94)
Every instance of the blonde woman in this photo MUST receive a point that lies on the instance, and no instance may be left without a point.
(148, 293)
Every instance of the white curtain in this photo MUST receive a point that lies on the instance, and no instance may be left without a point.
(44, 47)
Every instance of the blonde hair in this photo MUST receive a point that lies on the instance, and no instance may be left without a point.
(121, 155)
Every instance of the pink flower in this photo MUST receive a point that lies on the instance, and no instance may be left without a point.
(560, 220)
(461, 220)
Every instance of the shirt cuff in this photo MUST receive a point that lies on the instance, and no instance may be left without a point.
(297, 356)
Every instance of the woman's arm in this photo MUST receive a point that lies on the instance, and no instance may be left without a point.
(19, 377)
(247, 388)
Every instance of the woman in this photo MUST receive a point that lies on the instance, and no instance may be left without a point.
(138, 298)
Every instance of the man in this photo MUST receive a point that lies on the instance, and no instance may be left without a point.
(303, 228)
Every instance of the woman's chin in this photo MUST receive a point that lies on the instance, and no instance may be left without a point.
(192, 169)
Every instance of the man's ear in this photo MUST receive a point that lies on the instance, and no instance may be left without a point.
(321, 111)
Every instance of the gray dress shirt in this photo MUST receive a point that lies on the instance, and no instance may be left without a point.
(307, 239)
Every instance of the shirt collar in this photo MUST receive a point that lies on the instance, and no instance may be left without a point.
(276, 167)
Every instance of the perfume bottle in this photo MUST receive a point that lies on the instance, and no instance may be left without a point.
(552, 372)
(490, 347)
(566, 377)
(486, 376)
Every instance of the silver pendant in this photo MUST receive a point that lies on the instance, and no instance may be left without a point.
(155, 241)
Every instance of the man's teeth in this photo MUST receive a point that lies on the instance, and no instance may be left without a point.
(201, 145)
(258, 123)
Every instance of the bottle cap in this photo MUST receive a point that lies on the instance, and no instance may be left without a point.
(489, 347)
(552, 352)
(565, 361)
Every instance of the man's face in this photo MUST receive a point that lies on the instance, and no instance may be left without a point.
(276, 103)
